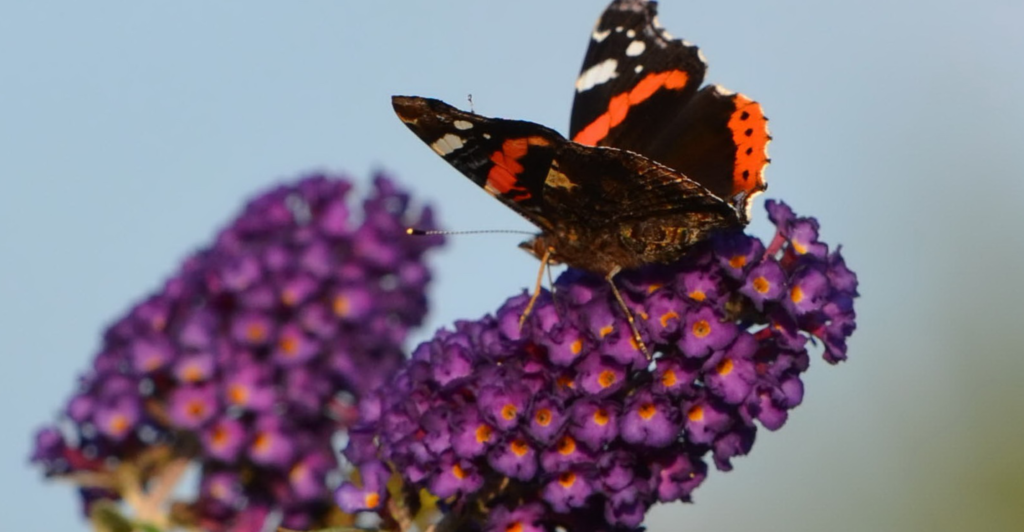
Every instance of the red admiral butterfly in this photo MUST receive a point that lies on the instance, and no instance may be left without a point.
(655, 164)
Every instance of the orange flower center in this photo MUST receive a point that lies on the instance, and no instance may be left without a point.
(483, 434)
(298, 472)
(262, 441)
(151, 363)
(458, 472)
(196, 408)
(701, 329)
(341, 306)
(566, 446)
(255, 332)
(289, 344)
(669, 378)
(192, 374)
(509, 412)
(220, 436)
(606, 379)
(118, 424)
(238, 394)
(519, 447)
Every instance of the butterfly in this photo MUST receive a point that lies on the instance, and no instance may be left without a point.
(654, 162)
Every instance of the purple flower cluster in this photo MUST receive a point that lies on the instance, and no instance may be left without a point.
(250, 358)
(566, 423)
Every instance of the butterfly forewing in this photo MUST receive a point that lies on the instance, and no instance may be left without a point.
(507, 158)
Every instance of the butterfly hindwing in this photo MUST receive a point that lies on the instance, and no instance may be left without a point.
(720, 140)
(634, 72)
(649, 103)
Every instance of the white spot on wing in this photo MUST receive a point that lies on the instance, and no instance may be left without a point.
(635, 48)
(462, 125)
(447, 144)
(630, 34)
(596, 75)
(638, 69)
(722, 91)
(599, 36)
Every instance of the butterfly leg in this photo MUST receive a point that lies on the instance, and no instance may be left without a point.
(554, 292)
(536, 288)
(629, 314)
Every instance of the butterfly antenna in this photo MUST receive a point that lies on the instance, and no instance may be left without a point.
(629, 315)
(422, 232)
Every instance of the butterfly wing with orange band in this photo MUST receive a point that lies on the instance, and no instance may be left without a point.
(638, 90)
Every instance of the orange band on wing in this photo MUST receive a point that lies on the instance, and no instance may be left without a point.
(501, 178)
(750, 134)
(619, 105)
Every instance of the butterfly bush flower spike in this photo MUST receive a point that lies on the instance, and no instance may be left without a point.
(550, 426)
(250, 359)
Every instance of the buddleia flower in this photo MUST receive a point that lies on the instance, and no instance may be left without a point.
(565, 423)
(246, 362)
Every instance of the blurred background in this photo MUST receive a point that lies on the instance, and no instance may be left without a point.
(131, 131)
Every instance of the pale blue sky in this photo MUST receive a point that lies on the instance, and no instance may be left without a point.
(130, 131)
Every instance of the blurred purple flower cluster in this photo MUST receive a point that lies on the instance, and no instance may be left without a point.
(566, 423)
(251, 357)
